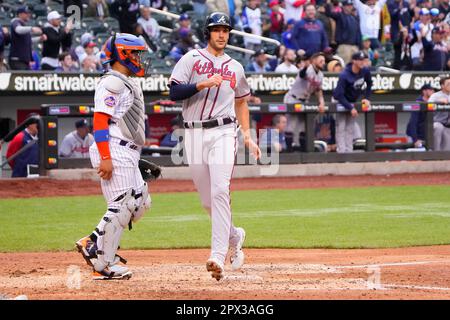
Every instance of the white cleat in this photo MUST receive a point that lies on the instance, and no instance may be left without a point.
(215, 267)
(237, 256)
(115, 272)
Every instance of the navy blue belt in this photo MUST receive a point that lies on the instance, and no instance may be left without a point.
(129, 144)
(209, 123)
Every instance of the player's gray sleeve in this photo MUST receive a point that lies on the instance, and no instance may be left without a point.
(182, 71)
(242, 87)
(66, 147)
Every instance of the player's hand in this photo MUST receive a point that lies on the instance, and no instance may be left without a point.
(443, 100)
(418, 144)
(354, 113)
(105, 169)
(253, 147)
(43, 37)
(36, 30)
(321, 107)
(214, 81)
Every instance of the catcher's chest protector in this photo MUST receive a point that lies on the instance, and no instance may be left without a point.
(132, 123)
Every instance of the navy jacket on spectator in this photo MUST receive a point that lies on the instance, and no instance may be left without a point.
(416, 124)
(310, 36)
(350, 86)
(20, 49)
(398, 14)
(435, 55)
(347, 27)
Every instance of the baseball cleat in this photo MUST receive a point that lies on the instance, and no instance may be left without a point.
(114, 272)
(237, 256)
(87, 248)
(216, 269)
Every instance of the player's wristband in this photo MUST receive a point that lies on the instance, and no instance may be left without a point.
(101, 134)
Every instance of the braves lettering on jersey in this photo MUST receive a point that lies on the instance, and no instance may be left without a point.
(73, 146)
(217, 102)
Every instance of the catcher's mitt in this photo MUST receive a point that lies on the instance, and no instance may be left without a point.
(149, 170)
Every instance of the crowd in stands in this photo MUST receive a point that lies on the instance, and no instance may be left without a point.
(406, 35)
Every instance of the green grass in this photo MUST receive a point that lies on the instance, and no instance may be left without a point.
(309, 218)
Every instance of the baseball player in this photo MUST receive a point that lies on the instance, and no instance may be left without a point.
(441, 119)
(76, 144)
(352, 81)
(214, 90)
(119, 136)
(308, 82)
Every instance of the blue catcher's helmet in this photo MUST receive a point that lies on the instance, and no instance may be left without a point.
(126, 49)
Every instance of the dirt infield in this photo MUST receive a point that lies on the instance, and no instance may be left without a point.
(412, 273)
(406, 273)
(42, 187)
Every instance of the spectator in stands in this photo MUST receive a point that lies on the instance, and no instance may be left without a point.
(276, 20)
(294, 9)
(68, 3)
(444, 9)
(89, 64)
(435, 19)
(370, 19)
(233, 8)
(308, 34)
(397, 9)
(30, 156)
(57, 39)
(91, 51)
(274, 138)
(348, 34)
(86, 38)
(416, 124)
(139, 32)
(20, 54)
(126, 12)
(200, 7)
(334, 66)
(252, 23)
(441, 119)
(279, 56)
(97, 9)
(420, 27)
(288, 65)
(328, 24)
(183, 31)
(372, 54)
(286, 36)
(352, 81)
(184, 45)
(76, 143)
(259, 63)
(436, 57)
(4, 41)
(171, 139)
(66, 64)
(158, 4)
(149, 24)
(402, 51)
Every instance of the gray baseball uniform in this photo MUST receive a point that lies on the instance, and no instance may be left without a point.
(441, 124)
(73, 146)
(211, 152)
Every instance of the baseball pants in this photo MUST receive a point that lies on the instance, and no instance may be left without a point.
(345, 132)
(441, 137)
(210, 154)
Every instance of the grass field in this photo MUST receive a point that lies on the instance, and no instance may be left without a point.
(307, 218)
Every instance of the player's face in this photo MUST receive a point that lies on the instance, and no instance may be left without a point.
(219, 36)
(319, 62)
(282, 124)
(33, 128)
(83, 131)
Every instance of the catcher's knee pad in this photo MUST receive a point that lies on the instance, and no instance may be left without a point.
(143, 203)
(110, 231)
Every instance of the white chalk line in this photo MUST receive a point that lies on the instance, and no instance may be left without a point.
(407, 286)
(394, 264)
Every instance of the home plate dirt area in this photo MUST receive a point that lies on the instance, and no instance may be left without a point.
(401, 273)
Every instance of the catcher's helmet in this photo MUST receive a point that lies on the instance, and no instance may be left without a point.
(216, 19)
(119, 48)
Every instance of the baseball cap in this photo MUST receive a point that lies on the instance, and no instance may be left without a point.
(53, 15)
(347, 3)
(437, 30)
(426, 86)
(90, 44)
(291, 21)
(273, 3)
(81, 123)
(86, 38)
(184, 16)
(434, 12)
(258, 53)
(23, 9)
(360, 55)
(365, 38)
(424, 11)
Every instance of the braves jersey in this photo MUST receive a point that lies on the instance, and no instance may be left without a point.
(216, 102)
(115, 104)
(303, 88)
(73, 146)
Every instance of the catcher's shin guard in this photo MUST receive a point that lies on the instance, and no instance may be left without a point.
(143, 203)
(110, 230)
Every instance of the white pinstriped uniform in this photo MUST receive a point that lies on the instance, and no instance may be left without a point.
(211, 152)
(126, 174)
